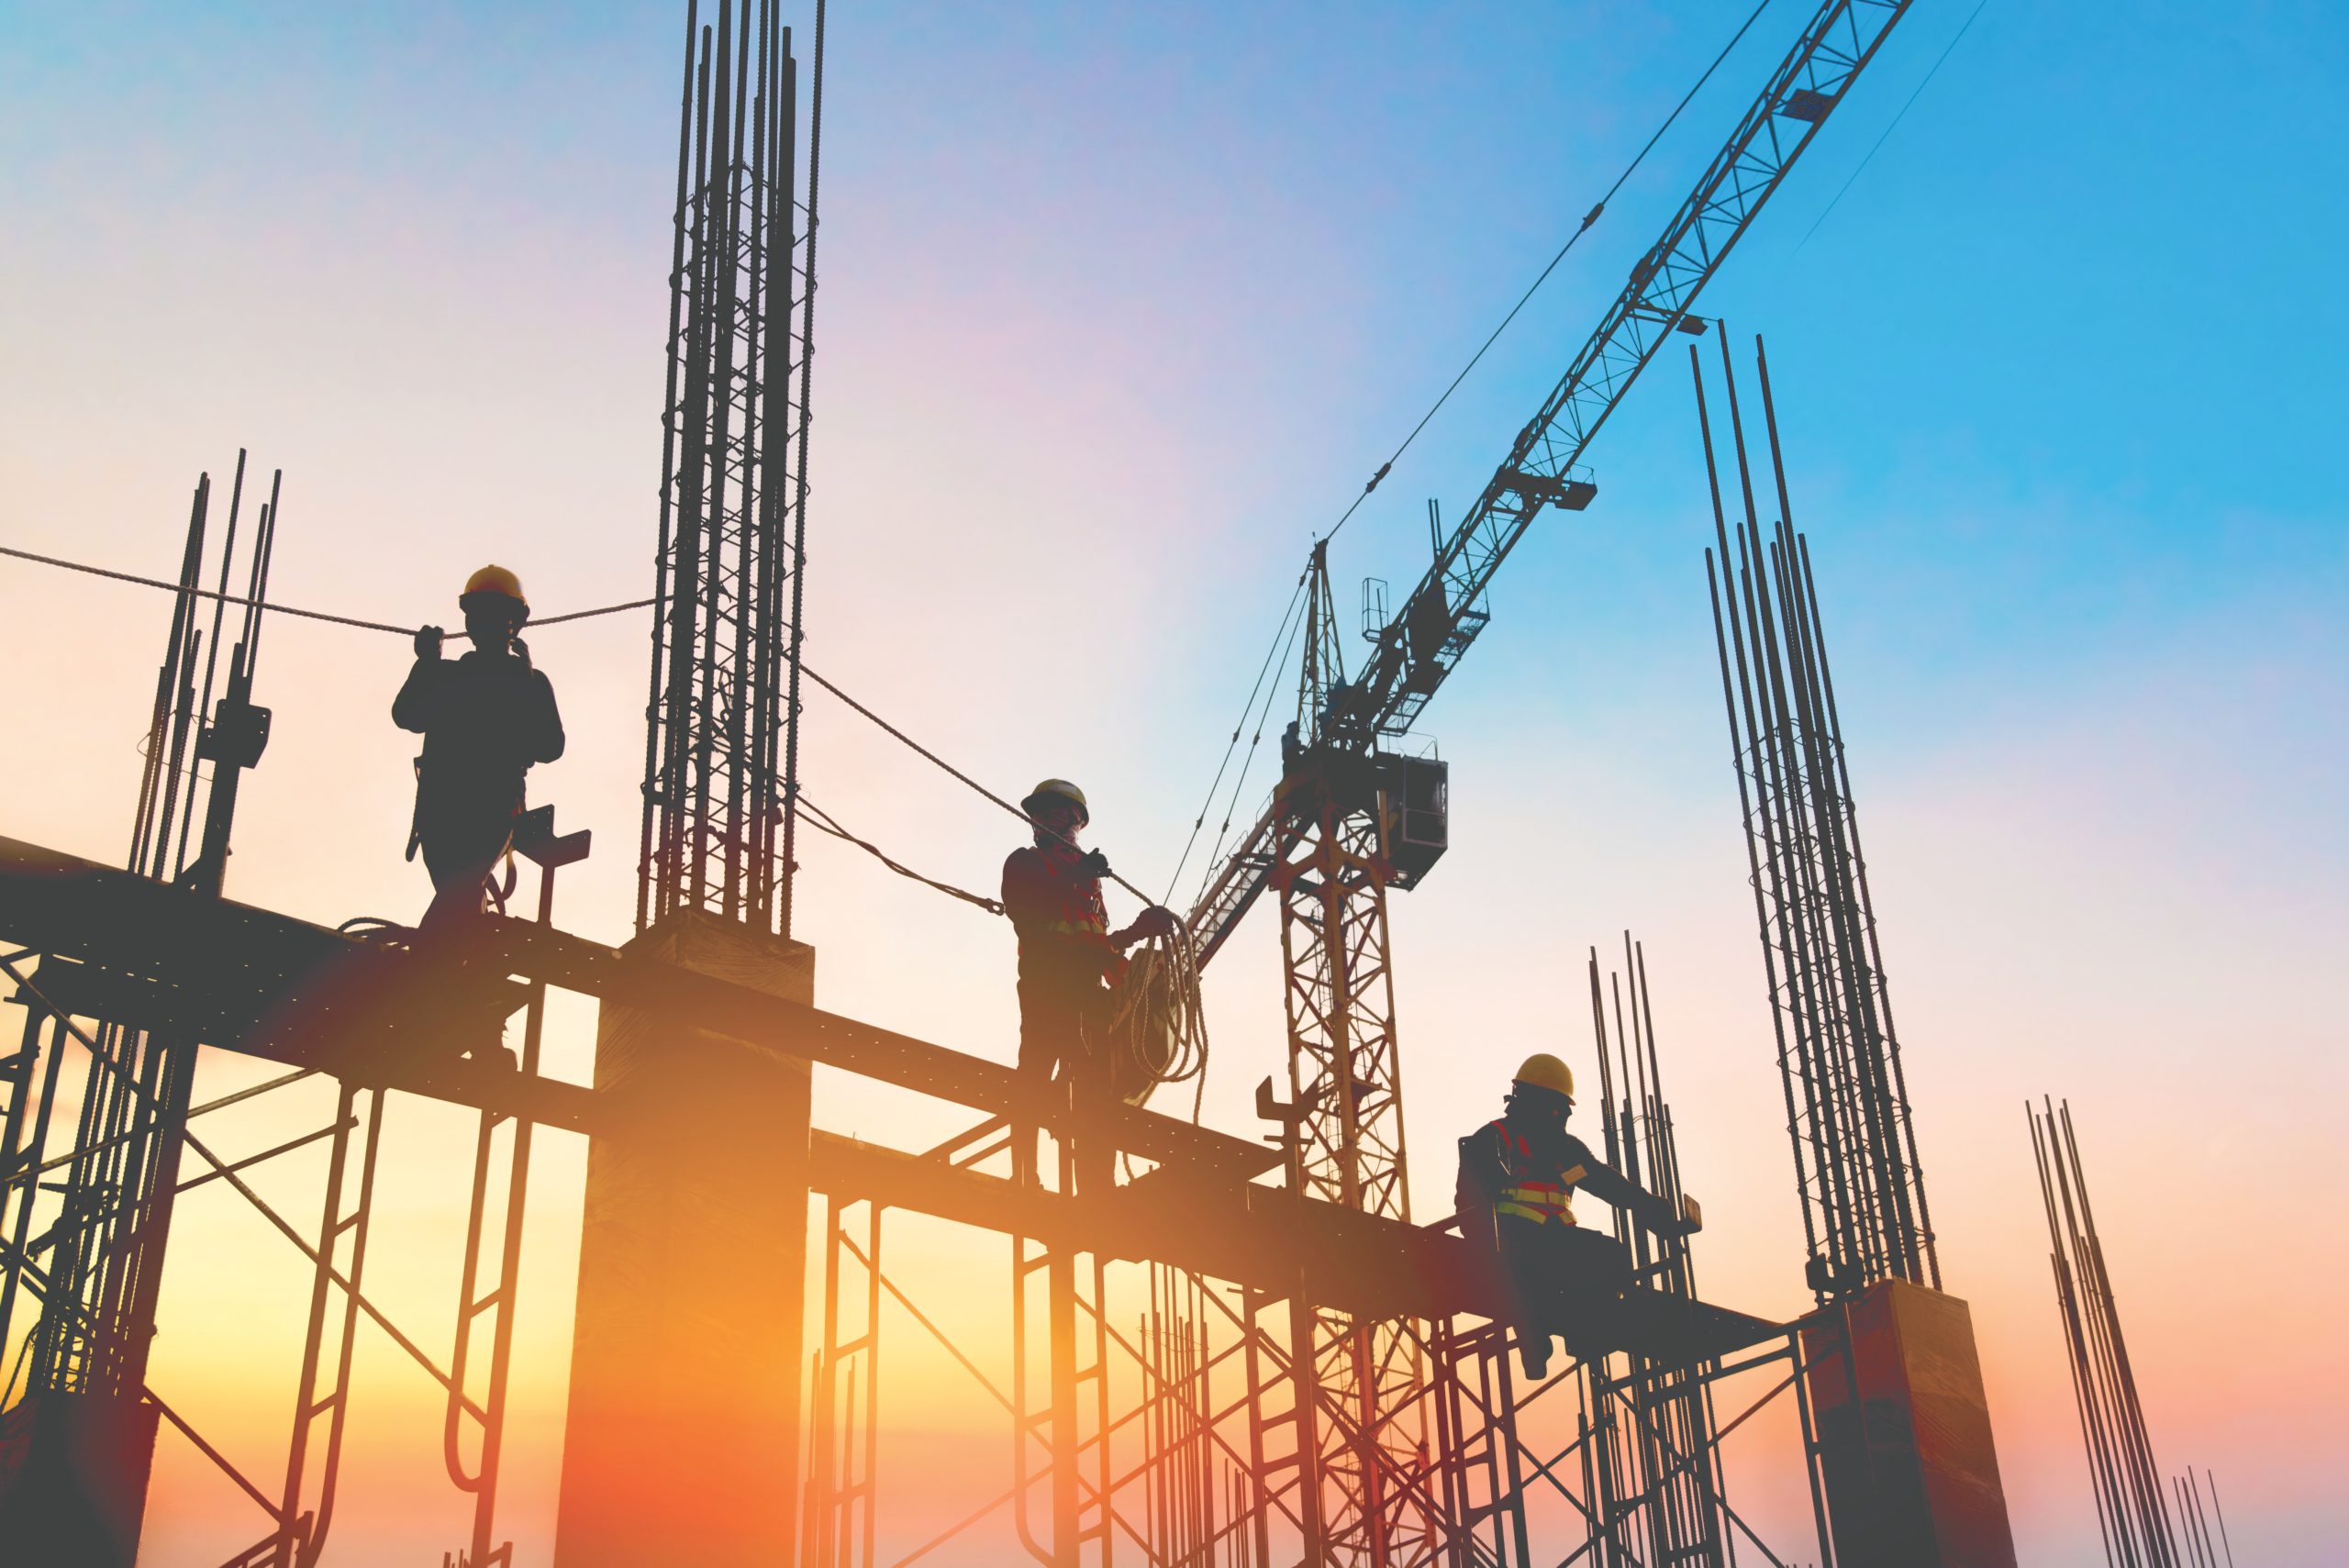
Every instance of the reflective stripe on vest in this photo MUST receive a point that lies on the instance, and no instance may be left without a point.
(1528, 1197)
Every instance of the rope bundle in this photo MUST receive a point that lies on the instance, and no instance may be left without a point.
(1158, 1031)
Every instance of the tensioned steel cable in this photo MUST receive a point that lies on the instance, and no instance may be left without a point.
(1231, 801)
(1889, 130)
(890, 729)
(1272, 654)
(824, 821)
(1589, 219)
(274, 607)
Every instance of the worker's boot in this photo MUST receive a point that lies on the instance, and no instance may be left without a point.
(1533, 1355)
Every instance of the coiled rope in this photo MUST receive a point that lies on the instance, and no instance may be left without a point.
(1158, 1027)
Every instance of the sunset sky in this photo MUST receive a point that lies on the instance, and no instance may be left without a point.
(1121, 306)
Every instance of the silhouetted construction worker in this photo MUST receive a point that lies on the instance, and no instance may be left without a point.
(485, 718)
(1518, 1177)
(1068, 956)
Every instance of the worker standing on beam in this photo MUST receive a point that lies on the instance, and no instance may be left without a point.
(1518, 1177)
(1069, 959)
(485, 719)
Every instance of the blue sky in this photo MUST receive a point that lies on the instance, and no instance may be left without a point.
(1121, 305)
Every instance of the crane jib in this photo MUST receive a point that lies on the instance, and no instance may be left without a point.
(1443, 616)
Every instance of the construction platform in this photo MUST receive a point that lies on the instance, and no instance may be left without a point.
(148, 955)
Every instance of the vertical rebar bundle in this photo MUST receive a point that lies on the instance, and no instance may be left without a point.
(1180, 1481)
(1863, 1190)
(1654, 1439)
(2203, 1547)
(720, 749)
(104, 1253)
(2131, 1505)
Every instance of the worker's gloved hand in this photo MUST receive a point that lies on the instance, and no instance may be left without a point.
(1093, 862)
(1150, 923)
(1664, 1222)
(521, 651)
(428, 641)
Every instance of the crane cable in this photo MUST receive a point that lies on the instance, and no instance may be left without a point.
(1231, 802)
(1271, 655)
(1589, 218)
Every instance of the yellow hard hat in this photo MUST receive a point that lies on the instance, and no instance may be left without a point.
(496, 580)
(1544, 1071)
(1057, 789)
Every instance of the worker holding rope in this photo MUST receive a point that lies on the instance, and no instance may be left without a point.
(1069, 959)
(485, 719)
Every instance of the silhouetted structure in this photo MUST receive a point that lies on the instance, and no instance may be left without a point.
(75, 1451)
(1847, 1105)
(696, 1210)
(1654, 1462)
(1314, 1377)
(2132, 1504)
(721, 751)
(1922, 1488)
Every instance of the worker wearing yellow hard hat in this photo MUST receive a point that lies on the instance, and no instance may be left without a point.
(1518, 1178)
(486, 719)
(1068, 958)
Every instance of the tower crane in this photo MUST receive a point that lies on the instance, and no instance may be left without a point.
(1355, 816)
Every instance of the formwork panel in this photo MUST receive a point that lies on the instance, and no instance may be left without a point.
(74, 1472)
(1904, 1427)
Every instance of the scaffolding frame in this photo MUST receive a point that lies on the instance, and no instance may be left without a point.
(1190, 1438)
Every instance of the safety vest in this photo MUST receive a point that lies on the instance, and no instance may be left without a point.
(1075, 909)
(1528, 1196)
(1064, 930)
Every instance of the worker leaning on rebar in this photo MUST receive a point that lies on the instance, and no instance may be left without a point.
(1069, 958)
(1518, 1177)
(485, 719)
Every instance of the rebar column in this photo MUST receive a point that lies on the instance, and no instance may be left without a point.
(1862, 1187)
(720, 743)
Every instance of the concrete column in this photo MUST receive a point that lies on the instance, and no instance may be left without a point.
(74, 1472)
(683, 1440)
(1904, 1429)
